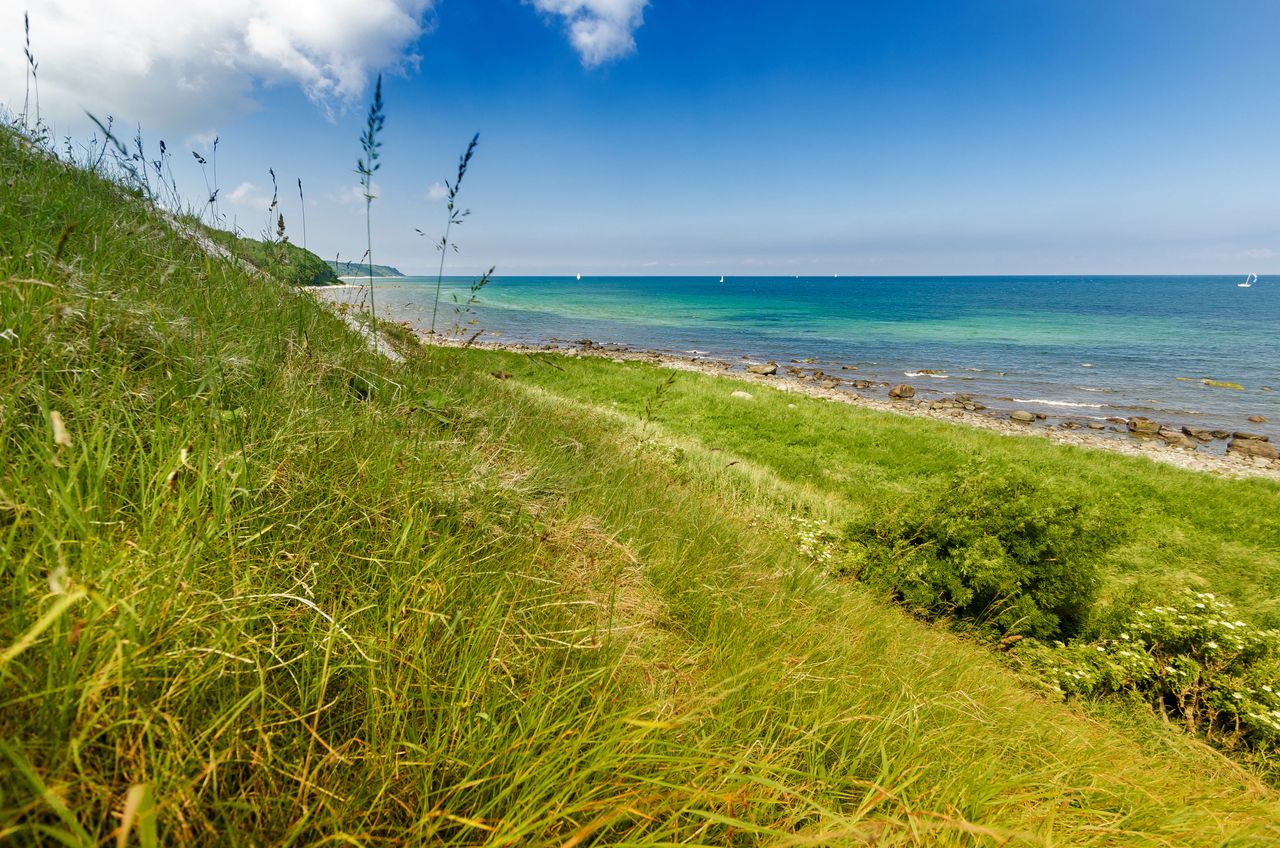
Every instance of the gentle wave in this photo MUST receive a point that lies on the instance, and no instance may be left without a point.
(1060, 403)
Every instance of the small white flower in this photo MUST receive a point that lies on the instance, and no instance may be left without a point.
(58, 580)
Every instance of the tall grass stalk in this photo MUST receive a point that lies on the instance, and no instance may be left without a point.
(302, 203)
(454, 217)
(366, 167)
(30, 75)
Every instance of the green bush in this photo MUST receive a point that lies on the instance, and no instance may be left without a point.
(1190, 658)
(992, 547)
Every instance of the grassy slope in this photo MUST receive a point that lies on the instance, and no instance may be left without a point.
(303, 594)
(285, 260)
(1179, 528)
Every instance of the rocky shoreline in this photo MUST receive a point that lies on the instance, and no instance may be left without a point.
(1247, 454)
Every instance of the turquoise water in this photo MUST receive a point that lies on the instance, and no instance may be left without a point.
(1090, 347)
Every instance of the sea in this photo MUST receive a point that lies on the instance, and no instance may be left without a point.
(1197, 351)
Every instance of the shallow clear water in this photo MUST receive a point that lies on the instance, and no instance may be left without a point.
(1088, 346)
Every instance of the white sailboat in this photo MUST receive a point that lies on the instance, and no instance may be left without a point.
(1249, 280)
(579, 276)
(722, 278)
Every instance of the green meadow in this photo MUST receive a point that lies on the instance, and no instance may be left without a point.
(1167, 528)
(259, 585)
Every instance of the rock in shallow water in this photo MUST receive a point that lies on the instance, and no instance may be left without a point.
(1199, 433)
(902, 392)
(766, 369)
(1022, 416)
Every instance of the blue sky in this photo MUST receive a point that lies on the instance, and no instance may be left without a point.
(992, 136)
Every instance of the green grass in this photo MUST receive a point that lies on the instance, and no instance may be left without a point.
(1177, 528)
(283, 260)
(299, 594)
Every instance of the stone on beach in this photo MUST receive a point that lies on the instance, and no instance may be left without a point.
(1176, 438)
(1022, 416)
(767, 369)
(1253, 447)
(1250, 437)
(1256, 419)
(902, 392)
(1143, 426)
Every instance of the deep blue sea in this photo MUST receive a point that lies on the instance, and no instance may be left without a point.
(1088, 347)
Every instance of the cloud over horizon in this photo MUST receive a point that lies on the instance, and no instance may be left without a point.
(600, 30)
(188, 66)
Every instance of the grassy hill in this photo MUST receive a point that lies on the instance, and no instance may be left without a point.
(258, 585)
(283, 259)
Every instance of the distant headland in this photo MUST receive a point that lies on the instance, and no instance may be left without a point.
(363, 269)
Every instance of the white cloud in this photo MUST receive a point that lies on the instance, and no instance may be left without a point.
(247, 194)
(354, 194)
(202, 140)
(187, 64)
(437, 191)
(600, 30)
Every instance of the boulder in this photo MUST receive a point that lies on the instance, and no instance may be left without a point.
(1022, 416)
(1094, 425)
(1176, 438)
(767, 369)
(902, 392)
(1253, 447)
(829, 383)
(1256, 419)
(1143, 426)
(1199, 433)
(741, 395)
(1221, 434)
(1250, 437)
(586, 344)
